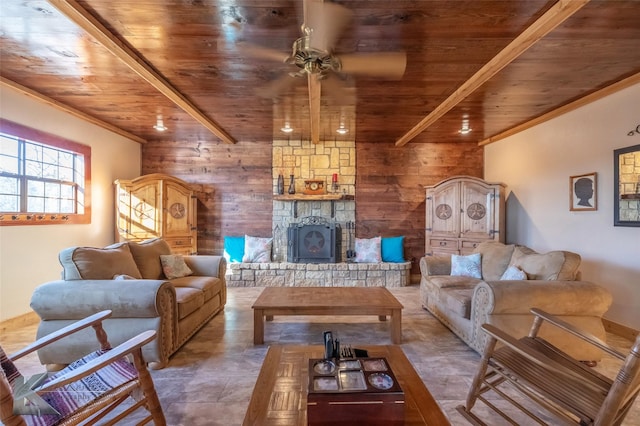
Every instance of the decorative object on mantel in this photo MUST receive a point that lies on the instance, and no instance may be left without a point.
(583, 192)
(292, 185)
(635, 131)
(626, 186)
(313, 187)
(280, 184)
(334, 183)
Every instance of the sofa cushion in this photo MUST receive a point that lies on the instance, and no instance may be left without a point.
(210, 286)
(458, 301)
(547, 266)
(447, 281)
(467, 266)
(189, 300)
(495, 258)
(147, 256)
(89, 263)
(173, 266)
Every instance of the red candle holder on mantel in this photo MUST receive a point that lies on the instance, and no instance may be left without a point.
(334, 183)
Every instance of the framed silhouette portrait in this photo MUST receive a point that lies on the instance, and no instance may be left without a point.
(583, 192)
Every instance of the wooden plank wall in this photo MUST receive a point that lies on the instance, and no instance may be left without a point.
(235, 188)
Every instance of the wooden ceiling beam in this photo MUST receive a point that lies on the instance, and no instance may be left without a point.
(74, 11)
(70, 110)
(585, 100)
(556, 15)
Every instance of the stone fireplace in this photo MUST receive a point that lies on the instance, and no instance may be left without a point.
(314, 240)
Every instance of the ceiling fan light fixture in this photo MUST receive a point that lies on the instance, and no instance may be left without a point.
(465, 129)
(159, 126)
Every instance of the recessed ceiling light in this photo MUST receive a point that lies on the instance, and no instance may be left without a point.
(287, 128)
(159, 126)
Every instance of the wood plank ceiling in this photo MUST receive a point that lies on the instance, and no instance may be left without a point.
(497, 65)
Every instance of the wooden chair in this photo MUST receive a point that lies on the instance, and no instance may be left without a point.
(567, 389)
(85, 391)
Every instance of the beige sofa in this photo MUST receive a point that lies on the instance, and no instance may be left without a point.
(463, 304)
(128, 278)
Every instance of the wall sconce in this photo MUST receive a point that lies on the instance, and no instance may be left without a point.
(465, 129)
(287, 128)
(159, 126)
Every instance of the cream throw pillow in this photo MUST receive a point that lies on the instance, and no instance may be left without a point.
(174, 266)
(466, 266)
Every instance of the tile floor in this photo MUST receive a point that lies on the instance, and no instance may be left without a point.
(210, 379)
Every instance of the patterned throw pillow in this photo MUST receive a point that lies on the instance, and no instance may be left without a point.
(257, 250)
(368, 250)
(514, 273)
(467, 266)
(173, 266)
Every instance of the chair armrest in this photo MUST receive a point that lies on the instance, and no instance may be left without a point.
(587, 337)
(556, 297)
(78, 299)
(207, 265)
(63, 332)
(131, 345)
(435, 265)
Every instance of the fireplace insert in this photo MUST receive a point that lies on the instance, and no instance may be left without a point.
(314, 240)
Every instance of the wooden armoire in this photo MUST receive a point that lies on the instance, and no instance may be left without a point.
(157, 205)
(462, 212)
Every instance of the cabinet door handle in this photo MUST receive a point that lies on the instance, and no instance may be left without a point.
(443, 243)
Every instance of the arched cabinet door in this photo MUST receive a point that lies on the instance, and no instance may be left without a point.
(462, 212)
(157, 205)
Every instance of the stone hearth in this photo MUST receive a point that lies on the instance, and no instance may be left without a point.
(318, 274)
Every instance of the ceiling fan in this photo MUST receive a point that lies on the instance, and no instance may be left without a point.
(313, 55)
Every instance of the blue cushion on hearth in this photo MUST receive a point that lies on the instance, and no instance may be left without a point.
(392, 249)
(234, 248)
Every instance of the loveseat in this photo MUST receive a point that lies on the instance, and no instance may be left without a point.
(131, 280)
(546, 281)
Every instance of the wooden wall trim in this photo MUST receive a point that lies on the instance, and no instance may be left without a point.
(592, 97)
(555, 16)
(75, 12)
(20, 321)
(620, 329)
(69, 110)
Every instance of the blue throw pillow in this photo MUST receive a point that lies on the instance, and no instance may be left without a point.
(392, 250)
(234, 248)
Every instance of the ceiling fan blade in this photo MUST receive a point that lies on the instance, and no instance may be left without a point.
(326, 21)
(260, 52)
(313, 83)
(384, 64)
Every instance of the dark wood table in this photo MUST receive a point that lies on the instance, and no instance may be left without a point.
(327, 301)
(280, 394)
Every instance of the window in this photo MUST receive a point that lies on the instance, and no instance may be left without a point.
(44, 179)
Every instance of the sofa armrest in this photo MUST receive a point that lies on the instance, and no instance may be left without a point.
(71, 300)
(555, 297)
(435, 265)
(207, 265)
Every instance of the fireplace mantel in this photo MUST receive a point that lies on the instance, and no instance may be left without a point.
(317, 197)
(320, 197)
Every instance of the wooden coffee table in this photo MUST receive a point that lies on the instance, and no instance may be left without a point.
(280, 393)
(326, 301)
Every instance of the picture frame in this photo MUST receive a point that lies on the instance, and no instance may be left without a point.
(626, 186)
(583, 192)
